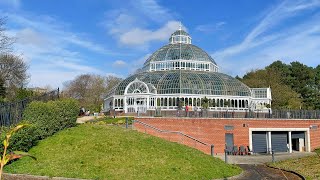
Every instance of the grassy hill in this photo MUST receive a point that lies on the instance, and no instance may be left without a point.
(96, 151)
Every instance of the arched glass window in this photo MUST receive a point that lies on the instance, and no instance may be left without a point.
(137, 86)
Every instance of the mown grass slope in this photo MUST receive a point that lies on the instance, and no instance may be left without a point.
(96, 151)
(308, 166)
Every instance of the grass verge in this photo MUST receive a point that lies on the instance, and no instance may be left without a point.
(96, 151)
(308, 166)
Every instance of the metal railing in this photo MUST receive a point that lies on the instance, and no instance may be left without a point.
(11, 113)
(273, 114)
(176, 132)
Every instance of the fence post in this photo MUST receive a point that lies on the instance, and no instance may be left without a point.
(212, 152)
(272, 153)
(225, 156)
(132, 125)
(126, 122)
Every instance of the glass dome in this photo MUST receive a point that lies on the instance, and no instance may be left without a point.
(180, 52)
(188, 82)
(180, 36)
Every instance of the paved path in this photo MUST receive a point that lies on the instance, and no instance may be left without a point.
(254, 168)
(84, 119)
(259, 172)
(261, 159)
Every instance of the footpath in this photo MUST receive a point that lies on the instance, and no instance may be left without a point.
(255, 169)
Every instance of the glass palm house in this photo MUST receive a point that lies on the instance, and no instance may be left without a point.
(181, 74)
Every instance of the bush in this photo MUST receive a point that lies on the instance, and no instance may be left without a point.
(45, 119)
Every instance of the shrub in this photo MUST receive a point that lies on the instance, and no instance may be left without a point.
(45, 119)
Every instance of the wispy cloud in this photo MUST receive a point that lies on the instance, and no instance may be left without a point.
(264, 45)
(138, 36)
(11, 3)
(152, 10)
(130, 26)
(48, 45)
(55, 31)
(209, 28)
(119, 64)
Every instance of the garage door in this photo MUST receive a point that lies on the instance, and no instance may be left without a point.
(279, 141)
(259, 142)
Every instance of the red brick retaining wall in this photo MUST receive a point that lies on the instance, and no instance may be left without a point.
(212, 131)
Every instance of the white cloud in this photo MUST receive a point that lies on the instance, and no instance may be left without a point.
(263, 45)
(208, 28)
(139, 36)
(51, 49)
(119, 64)
(130, 26)
(54, 78)
(53, 30)
(11, 3)
(73, 66)
(152, 10)
(29, 36)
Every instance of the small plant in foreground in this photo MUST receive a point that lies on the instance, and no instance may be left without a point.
(6, 157)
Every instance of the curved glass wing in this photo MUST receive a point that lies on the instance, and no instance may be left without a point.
(187, 82)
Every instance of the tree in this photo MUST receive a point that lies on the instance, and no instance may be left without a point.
(2, 90)
(90, 89)
(283, 96)
(23, 93)
(111, 81)
(13, 71)
(205, 103)
(5, 41)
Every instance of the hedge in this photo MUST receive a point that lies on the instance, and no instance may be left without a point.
(45, 119)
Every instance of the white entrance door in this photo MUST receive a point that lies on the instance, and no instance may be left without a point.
(141, 104)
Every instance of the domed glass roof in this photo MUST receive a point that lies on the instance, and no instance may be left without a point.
(180, 32)
(180, 51)
(189, 82)
(176, 68)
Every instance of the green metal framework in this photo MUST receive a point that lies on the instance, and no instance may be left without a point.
(179, 51)
(189, 82)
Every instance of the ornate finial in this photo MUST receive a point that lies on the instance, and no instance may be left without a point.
(180, 26)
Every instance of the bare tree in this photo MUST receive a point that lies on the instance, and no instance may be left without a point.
(78, 87)
(5, 41)
(2, 90)
(13, 71)
(90, 89)
(111, 81)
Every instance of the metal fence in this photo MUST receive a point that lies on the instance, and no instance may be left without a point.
(11, 113)
(272, 114)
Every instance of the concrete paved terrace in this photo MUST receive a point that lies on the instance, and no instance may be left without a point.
(262, 158)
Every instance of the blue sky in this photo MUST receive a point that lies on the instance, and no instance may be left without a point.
(62, 39)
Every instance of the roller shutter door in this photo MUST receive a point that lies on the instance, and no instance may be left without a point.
(279, 141)
(259, 142)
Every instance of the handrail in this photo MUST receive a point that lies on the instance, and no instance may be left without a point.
(167, 131)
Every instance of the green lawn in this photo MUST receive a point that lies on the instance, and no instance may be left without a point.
(117, 120)
(109, 152)
(309, 166)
